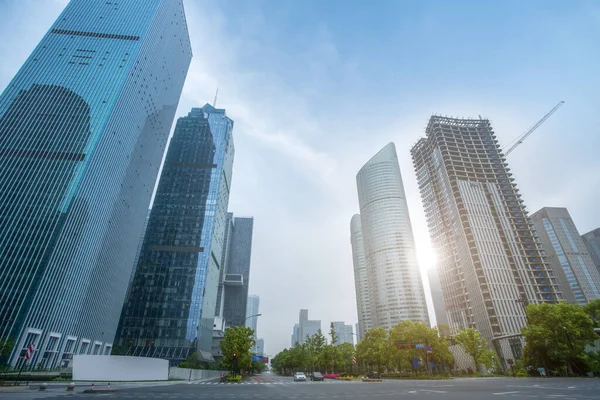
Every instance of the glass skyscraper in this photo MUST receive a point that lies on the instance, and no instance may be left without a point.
(83, 126)
(573, 266)
(170, 308)
(394, 286)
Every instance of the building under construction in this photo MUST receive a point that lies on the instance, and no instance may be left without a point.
(490, 261)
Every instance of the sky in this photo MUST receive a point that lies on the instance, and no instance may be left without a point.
(316, 88)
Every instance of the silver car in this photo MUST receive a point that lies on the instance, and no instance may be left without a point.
(299, 377)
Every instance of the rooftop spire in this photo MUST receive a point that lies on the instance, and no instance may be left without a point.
(216, 94)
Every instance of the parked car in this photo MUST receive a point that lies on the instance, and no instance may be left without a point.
(299, 377)
(317, 376)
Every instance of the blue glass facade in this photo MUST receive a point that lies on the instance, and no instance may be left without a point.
(592, 242)
(83, 126)
(564, 263)
(172, 297)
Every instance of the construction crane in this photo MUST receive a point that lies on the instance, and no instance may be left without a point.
(533, 128)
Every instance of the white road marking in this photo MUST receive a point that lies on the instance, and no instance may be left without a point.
(434, 391)
(500, 393)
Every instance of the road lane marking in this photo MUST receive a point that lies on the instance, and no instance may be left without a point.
(434, 391)
(500, 393)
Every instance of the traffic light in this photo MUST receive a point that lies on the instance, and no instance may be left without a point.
(400, 347)
(234, 355)
(409, 347)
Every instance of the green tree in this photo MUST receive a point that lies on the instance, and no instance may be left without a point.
(374, 349)
(346, 351)
(413, 333)
(593, 310)
(557, 336)
(6, 347)
(239, 341)
(192, 362)
(120, 350)
(473, 344)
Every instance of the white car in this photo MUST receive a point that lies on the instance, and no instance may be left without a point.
(299, 377)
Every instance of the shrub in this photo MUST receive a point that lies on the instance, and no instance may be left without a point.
(237, 378)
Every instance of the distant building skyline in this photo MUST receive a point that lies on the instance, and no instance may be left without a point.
(574, 268)
(343, 332)
(83, 127)
(260, 347)
(489, 262)
(395, 288)
(304, 328)
(253, 308)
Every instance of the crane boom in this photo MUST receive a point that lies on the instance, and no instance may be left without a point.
(533, 128)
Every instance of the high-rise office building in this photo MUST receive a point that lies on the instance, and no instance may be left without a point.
(237, 271)
(309, 328)
(252, 309)
(360, 275)
(592, 242)
(490, 261)
(566, 252)
(303, 316)
(83, 127)
(170, 310)
(358, 333)
(304, 328)
(224, 260)
(260, 347)
(295, 334)
(343, 332)
(393, 278)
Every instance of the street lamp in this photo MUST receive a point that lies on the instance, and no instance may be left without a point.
(252, 316)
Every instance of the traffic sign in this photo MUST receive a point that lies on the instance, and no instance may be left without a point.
(257, 358)
(419, 346)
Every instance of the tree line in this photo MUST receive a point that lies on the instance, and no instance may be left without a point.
(315, 354)
(559, 337)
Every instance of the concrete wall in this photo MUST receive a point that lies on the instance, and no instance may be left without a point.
(119, 368)
(193, 374)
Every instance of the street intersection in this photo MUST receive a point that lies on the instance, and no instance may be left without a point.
(273, 387)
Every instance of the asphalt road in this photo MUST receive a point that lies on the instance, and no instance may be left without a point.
(274, 387)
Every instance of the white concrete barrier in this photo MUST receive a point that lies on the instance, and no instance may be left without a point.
(188, 374)
(119, 368)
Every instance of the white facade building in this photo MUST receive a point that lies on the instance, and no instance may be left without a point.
(393, 277)
(490, 261)
(360, 276)
(575, 270)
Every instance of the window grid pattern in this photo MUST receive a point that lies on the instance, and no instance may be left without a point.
(83, 126)
(393, 277)
(490, 261)
(592, 242)
(360, 277)
(576, 271)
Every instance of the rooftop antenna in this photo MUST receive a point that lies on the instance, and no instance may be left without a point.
(216, 94)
